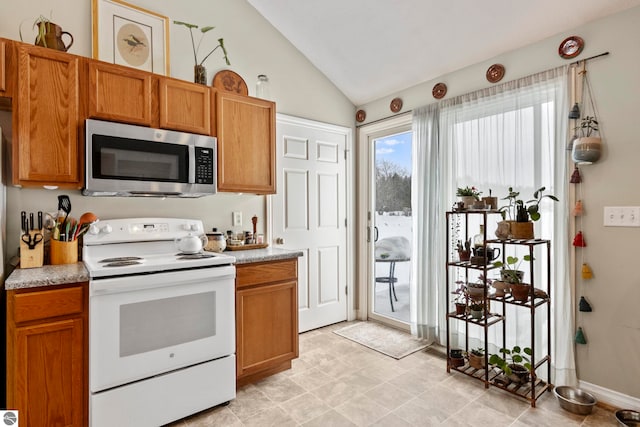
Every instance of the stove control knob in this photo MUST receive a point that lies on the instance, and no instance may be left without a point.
(93, 229)
(190, 227)
(106, 229)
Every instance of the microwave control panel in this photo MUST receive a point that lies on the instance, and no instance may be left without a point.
(204, 165)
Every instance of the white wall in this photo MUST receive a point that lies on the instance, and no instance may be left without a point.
(610, 358)
(254, 47)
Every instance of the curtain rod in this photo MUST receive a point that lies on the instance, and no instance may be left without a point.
(409, 111)
(384, 118)
(591, 57)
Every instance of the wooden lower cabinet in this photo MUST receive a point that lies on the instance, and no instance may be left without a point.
(266, 318)
(47, 375)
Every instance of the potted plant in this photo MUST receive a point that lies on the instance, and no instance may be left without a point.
(461, 298)
(476, 358)
(464, 252)
(468, 195)
(511, 274)
(200, 73)
(588, 146)
(521, 213)
(477, 309)
(49, 34)
(515, 363)
(456, 358)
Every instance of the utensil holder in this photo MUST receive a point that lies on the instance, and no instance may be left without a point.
(32, 257)
(63, 252)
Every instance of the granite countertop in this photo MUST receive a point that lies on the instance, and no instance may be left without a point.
(47, 275)
(267, 254)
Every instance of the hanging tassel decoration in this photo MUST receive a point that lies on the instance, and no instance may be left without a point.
(586, 271)
(575, 176)
(580, 338)
(579, 240)
(584, 305)
(578, 210)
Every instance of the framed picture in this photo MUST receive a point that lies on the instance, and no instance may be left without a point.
(126, 34)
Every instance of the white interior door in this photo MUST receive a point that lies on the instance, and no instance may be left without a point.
(309, 214)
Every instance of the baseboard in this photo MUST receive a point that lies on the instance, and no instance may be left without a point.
(610, 397)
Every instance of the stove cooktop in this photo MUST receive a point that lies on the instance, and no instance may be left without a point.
(144, 245)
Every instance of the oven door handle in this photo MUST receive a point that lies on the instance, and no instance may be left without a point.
(121, 284)
(192, 164)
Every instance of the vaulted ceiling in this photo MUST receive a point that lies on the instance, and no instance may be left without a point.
(372, 48)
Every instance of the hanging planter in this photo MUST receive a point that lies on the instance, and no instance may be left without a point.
(587, 147)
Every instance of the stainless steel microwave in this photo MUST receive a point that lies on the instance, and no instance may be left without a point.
(128, 160)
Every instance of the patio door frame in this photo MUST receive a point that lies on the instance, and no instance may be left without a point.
(366, 211)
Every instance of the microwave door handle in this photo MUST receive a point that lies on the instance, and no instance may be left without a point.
(192, 164)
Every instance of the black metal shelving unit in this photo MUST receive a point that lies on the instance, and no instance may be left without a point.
(495, 309)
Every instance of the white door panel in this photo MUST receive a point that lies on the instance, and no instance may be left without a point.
(309, 214)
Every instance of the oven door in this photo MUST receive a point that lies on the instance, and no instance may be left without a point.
(145, 325)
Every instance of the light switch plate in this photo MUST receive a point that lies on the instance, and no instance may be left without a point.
(622, 216)
(237, 219)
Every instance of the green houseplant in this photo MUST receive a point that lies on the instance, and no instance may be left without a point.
(587, 147)
(48, 35)
(515, 363)
(521, 213)
(200, 73)
(476, 358)
(468, 195)
(513, 275)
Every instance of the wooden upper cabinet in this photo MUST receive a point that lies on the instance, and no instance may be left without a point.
(119, 94)
(46, 147)
(184, 106)
(245, 128)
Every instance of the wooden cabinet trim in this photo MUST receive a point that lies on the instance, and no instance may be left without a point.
(3, 65)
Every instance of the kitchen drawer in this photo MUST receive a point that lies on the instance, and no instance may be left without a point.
(29, 305)
(265, 272)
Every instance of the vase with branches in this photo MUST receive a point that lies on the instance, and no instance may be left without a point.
(200, 72)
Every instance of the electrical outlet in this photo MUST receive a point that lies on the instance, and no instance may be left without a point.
(237, 219)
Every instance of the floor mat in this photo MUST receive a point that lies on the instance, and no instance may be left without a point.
(386, 340)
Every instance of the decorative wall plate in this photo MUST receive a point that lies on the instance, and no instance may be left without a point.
(396, 105)
(571, 47)
(360, 116)
(230, 81)
(439, 90)
(495, 73)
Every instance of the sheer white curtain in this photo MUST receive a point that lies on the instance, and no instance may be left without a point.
(509, 135)
(428, 307)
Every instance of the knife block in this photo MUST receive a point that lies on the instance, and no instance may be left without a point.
(31, 258)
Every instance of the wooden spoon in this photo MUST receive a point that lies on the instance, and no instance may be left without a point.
(85, 220)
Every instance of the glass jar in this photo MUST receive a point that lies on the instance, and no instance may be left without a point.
(262, 87)
(478, 239)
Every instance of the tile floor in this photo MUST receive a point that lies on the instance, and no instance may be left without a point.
(337, 382)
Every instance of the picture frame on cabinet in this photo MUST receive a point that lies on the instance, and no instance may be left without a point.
(125, 34)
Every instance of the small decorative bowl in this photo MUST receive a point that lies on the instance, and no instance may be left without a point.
(628, 417)
(574, 400)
